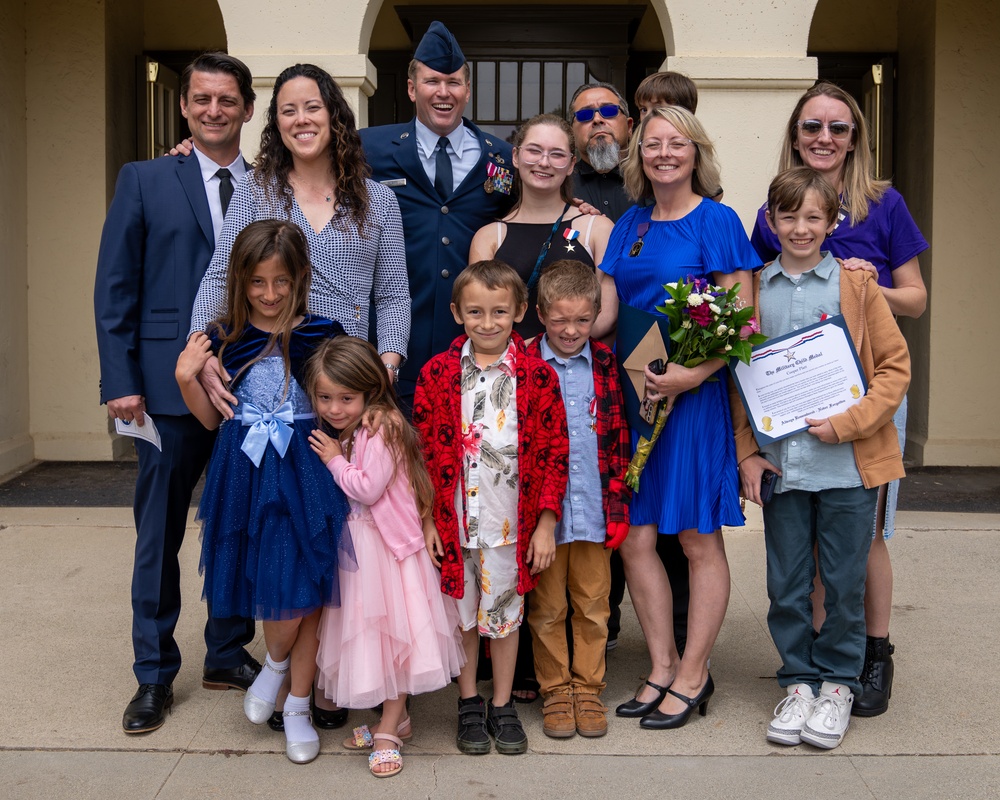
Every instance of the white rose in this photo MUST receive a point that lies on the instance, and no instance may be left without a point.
(721, 330)
(669, 301)
(715, 308)
(686, 324)
(694, 300)
(670, 285)
(728, 347)
(732, 331)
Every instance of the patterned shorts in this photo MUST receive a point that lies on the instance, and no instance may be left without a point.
(491, 601)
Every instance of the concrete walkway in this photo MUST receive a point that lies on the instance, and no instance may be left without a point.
(65, 675)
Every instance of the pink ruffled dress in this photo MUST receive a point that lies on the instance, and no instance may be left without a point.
(394, 632)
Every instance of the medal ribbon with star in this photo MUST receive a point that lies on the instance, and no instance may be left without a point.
(569, 235)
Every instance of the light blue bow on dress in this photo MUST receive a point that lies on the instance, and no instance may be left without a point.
(267, 426)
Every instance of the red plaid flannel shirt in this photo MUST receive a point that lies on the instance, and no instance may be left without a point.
(614, 444)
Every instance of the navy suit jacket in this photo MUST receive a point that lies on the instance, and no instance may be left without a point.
(156, 244)
(438, 235)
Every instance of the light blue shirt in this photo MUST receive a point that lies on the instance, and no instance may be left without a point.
(788, 303)
(583, 508)
(464, 150)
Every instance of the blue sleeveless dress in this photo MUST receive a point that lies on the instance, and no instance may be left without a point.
(270, 531)
(691, 479)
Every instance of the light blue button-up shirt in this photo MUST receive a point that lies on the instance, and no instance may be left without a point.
(788, 303)
(464, 151)
(583, 508)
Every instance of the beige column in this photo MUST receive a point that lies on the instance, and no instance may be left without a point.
(948, 94)
(16, 447)
(355, 75)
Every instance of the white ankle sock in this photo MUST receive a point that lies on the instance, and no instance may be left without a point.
(298, 728)
(269, 681)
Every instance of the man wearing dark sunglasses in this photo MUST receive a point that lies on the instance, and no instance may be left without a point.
(601, 127)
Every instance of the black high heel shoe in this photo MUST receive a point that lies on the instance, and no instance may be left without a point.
(636, 708)
(657, 720)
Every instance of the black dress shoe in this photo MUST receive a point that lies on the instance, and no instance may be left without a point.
(636, 708)
(276, 722)
(328, 719)
(658, 721)
(144, 713)
(233, 678)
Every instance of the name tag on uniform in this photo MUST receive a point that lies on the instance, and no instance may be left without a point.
(394, 182)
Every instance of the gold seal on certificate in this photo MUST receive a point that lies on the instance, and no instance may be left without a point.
(813, 372)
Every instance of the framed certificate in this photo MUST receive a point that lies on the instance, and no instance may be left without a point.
(813, 373)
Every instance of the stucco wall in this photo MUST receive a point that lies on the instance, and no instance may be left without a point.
(67, 181)
(15, 443)
(963, 384)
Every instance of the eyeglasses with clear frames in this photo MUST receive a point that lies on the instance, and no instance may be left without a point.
(531, 155)
(651, 148)
(814, 127)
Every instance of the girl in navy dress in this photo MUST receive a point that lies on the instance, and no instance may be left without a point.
(271, 513)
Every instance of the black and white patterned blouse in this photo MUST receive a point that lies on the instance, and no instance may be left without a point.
(346, 266)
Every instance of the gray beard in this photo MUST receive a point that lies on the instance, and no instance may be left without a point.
(603, 154)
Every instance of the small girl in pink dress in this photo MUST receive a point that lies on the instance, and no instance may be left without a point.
(395, 633)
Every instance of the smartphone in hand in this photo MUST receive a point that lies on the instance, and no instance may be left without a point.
(767, 486)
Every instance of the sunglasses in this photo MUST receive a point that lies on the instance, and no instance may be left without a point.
(609, 111)
(813, 127)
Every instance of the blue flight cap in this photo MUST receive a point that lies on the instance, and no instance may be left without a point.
(439, 50)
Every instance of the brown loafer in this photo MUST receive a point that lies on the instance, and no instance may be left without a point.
(591, 715)
(557, 715)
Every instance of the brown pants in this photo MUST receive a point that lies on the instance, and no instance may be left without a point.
(584, 569)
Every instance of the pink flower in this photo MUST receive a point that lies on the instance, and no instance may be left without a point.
(471, 438)
(749, 329)
(702, 315)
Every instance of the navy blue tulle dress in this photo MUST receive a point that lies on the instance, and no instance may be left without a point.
(270, 532)
(691, 479)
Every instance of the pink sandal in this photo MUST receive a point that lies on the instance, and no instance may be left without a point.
(387, 756)
(362, 738)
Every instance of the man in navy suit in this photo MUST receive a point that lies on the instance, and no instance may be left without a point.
(158, 238)
(450, 179)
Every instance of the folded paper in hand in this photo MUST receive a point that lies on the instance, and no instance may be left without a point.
(147, 431)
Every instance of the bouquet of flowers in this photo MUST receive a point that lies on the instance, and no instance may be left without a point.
(706, 322)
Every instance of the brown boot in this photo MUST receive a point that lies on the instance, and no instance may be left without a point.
(590, 713)
(557, 714)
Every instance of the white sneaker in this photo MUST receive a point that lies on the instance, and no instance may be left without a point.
(830, 717)
(790, 715)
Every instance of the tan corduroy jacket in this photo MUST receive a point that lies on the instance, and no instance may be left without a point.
(885, 360)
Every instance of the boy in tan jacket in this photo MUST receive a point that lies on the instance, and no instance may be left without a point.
(827, 477)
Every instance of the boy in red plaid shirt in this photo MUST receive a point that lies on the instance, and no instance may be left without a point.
(595, 512)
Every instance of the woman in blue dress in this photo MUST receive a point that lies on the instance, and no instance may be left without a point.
(689, 487)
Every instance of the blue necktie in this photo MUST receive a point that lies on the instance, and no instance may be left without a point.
(443, 178)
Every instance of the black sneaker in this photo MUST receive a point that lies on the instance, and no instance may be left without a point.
(506, 730)
(472, 737)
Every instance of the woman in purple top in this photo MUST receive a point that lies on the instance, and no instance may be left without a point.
(875, 232)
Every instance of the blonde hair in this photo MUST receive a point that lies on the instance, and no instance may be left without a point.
(568, 278)
(706, 177)
(861, 187)
(354, 364)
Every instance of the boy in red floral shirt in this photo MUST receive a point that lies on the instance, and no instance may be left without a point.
(595, 510)
(494, 435)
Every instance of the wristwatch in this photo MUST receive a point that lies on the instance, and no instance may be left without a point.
(393, 369)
